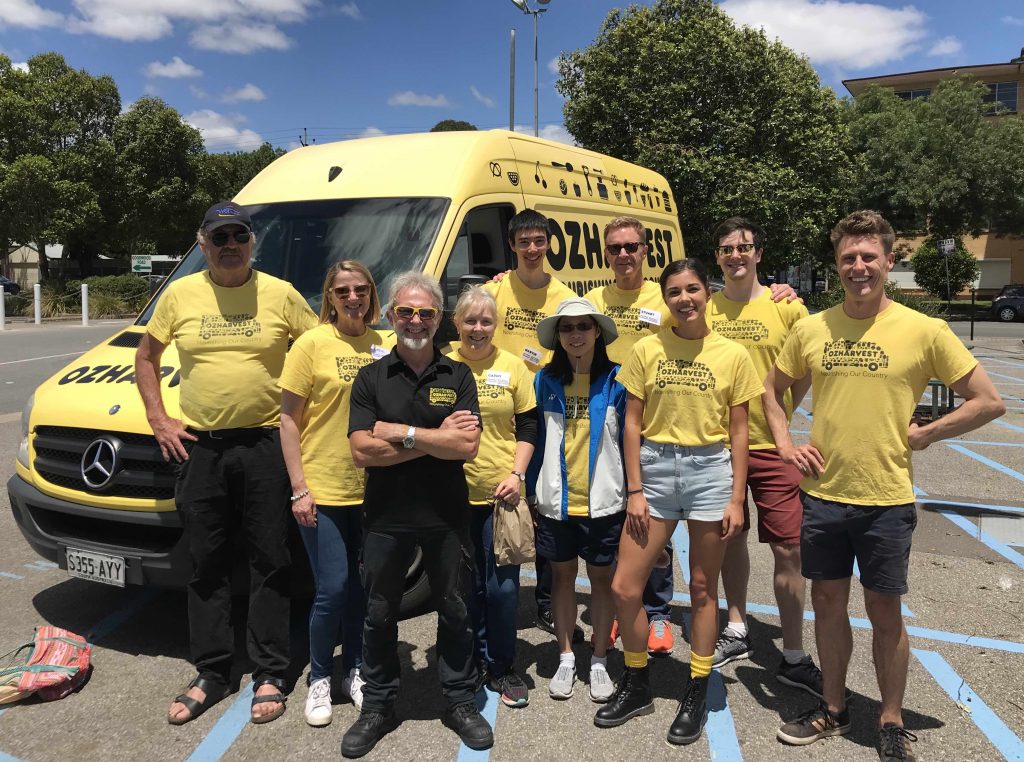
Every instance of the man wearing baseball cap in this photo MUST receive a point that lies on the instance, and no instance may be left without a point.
(231, 325)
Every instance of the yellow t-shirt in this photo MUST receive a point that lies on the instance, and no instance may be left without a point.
(231, 343)
(520, 309)
(321, 367)
(867, 376)
(760, 326)
(635, 313)
(577, 444)
(504, 387)
(688, 386)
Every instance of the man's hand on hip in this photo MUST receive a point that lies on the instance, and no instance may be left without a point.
(171, 434)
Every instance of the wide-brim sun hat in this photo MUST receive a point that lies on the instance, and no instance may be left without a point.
(577, 306)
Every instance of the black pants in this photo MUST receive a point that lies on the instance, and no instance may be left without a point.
(232, 492)
(448, 561)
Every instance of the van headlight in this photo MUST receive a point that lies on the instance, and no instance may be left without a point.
(26, 415)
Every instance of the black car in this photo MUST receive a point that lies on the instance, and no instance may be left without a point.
(9, 286)
(1009, 304)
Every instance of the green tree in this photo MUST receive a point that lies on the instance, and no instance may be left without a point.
(738, 124)
(452, 125)
(225, 174)
(941, 276)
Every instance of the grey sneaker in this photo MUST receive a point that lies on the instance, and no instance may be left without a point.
(894, 743)
(729, 648)
(813, 725)
(601, 685)
(561, 684)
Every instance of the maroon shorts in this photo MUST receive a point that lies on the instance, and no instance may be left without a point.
(776, 490)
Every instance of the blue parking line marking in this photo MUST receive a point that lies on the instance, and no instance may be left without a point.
(1003, 375)
(40, 565)
(987, 461)
(8, 758)
(1005, 362)
(1001, 548)
(114, 620)
(1003, 423)
(995, 730)
(681, 543)
(721, 729)
(488, 707)
(989, 444)
(227, 729)
(903, 607)
(9, 575)
(804, 413)
(992, 506)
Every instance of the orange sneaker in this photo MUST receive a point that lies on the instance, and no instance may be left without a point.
(660, 640)
(611, 639)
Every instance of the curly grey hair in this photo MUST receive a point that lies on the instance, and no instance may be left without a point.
(415, 280)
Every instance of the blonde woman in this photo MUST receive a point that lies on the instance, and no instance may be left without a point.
(327, 488)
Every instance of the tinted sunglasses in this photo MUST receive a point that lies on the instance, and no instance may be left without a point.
(581, 327)
(742, 248)
(631, 248)
(406, 313)
(221, 237)
(342, 292)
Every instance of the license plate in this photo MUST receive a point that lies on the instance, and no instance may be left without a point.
(97, 567)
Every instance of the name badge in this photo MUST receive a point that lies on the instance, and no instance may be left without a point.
(531, 355)
(498, 378)
(377, 352)
(650, 316)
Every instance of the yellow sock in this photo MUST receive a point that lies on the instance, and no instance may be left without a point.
(635, 659)
(700, 666)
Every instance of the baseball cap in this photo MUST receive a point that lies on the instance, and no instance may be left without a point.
(577, 306)
(226, 213)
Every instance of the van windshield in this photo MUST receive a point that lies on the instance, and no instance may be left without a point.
(297, 241)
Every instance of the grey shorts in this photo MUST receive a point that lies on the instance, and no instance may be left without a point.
(686, 483)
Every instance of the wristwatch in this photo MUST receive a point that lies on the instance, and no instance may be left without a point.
(521, 475)
(410, 438)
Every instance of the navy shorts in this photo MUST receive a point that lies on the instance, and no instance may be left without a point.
(596, 541)
(878, 537)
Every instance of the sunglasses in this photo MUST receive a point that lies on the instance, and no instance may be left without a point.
(631, 248)
(221, 237)
(581, 327)
(342, 292)
(741, 248)
(406, 313)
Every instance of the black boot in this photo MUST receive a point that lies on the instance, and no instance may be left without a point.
(632, 698)
(692, 713)
(367, 731)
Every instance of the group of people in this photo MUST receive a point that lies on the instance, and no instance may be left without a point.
(616, 415)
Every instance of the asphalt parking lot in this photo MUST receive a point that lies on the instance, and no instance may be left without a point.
(965, 698)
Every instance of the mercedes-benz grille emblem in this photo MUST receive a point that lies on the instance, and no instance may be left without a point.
(100, 463)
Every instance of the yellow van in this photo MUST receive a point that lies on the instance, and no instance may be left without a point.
(91, 490)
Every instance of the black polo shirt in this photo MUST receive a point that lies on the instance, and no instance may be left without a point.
(428, 492)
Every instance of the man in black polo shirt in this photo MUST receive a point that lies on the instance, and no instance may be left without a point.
(414, 420)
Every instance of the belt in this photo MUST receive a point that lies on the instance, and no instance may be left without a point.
(252, 432)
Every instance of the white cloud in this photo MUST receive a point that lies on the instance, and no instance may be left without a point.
(553, 66)
(371, 132)
(947, 46)
(854, 35)
(248, 92)
(351, 10)
(1013, 20)
(409, 98)
(151, 89)
(198, 92)
(28, 14)
(487, 101)
(22, 66)
(176, 68)
(554, 132)
(239, 38)
(221, 133)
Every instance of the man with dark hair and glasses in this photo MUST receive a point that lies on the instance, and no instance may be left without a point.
(231, 325)
(414, 420)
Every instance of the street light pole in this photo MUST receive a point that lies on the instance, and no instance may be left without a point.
(535, 12)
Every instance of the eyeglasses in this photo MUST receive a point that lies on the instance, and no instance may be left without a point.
(740, 248)
(631, 248)
(571, 327)
(406, 313)
(342, 292)
(221, 237)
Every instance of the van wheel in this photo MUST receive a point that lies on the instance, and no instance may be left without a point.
(417, 593)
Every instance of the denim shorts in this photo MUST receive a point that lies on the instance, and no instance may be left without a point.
(686, 483)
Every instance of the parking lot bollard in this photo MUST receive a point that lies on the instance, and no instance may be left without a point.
(37, 297)
(3, 310)
(85, 304)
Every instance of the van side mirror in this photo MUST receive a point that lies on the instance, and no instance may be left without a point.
(465, 281)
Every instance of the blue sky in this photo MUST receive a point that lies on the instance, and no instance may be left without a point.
(245, 71)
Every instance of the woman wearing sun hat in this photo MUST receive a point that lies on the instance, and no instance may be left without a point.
(576, 478)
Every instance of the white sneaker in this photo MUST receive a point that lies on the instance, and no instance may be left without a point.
(318, 703)
(562, 683)
(601, 685)
(352, 687)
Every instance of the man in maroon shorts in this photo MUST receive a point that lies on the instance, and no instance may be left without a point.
(744, 312)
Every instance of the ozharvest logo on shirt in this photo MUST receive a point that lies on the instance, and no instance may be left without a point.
(348, 367)
(441, 397)
(684, 373)
(843, 353)
(577, 408)
(240, 325)
(518, 319)
(627, 319)
(491, 391)
(742, 330)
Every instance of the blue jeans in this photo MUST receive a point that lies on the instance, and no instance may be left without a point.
(339, 605)
(658, 590)
(494, 602)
